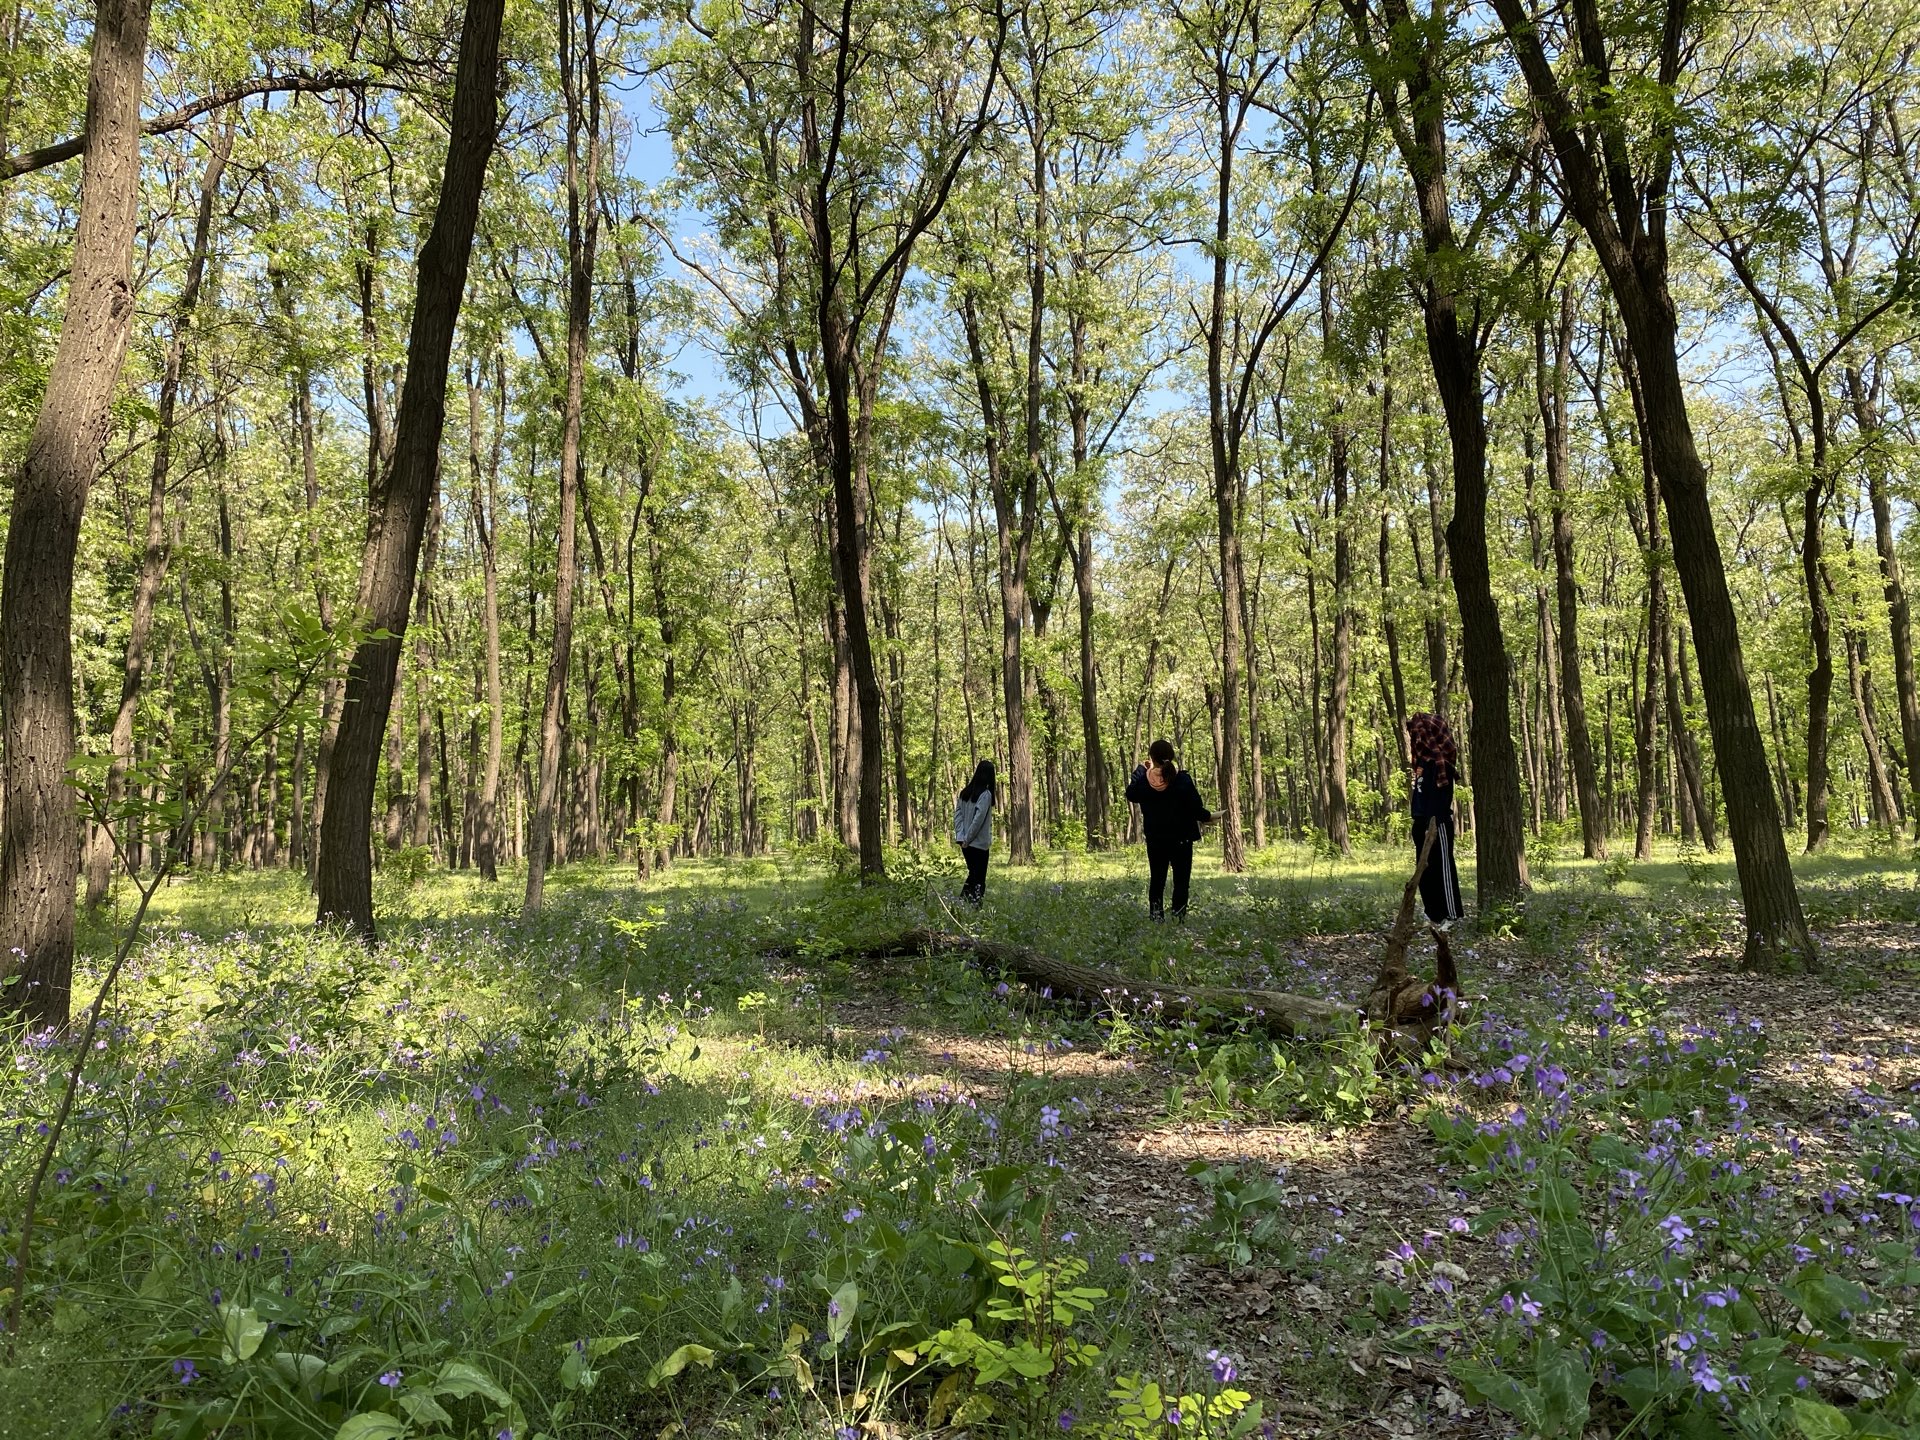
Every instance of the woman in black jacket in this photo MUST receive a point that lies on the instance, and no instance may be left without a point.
(1170, 817)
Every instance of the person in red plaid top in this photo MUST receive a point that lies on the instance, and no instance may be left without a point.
(1435, 763)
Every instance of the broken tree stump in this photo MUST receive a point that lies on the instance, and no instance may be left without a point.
(1405, 1009)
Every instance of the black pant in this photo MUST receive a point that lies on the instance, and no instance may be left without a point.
(975, 890)
(1162, 855)
(1439, 882)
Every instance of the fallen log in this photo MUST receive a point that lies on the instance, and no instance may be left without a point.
(1275, 1011)
(1404, 1010)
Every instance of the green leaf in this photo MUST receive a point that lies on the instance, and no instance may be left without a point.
(1818, 1420)
(840, 1311)
(374, 1425)
(296, 1369)
(462, 1381)
(1566, 1384)
(245, 1331)
(423, 1409)
(679, 1360)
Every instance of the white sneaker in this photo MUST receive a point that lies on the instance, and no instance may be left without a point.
(1443, 927)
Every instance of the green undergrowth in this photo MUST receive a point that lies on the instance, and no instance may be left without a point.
(628, 1165)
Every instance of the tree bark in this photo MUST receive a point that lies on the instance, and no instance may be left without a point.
(39, 834)
(1226, 496)
(345, 878)
(1454, 350)
(1013, 530)
(1340, 683)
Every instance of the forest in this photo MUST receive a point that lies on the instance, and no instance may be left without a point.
(522, 518)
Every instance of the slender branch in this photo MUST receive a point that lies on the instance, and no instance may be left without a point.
(25, 162)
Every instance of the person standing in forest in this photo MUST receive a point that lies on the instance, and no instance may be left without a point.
(1170, 818)
(1435, 763)
(973, 830)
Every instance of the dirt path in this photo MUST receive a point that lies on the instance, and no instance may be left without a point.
(1352, 1197)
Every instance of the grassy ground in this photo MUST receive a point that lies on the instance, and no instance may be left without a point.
(670, 1156)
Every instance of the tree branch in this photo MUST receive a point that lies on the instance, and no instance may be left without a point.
(24, 162)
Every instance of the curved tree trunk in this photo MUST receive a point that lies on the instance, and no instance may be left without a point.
(1605, 194)
(39, 836)
(345, 875)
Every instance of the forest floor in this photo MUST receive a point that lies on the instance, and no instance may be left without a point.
(672, 1155)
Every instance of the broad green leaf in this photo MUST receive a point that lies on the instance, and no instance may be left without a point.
(1818, 1420)
(462, 1381)
(245, 1331)
(679, 1360)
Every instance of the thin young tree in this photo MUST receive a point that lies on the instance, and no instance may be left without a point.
(1410, 60)
(1232, 56)
(580, 89)
(159, 533)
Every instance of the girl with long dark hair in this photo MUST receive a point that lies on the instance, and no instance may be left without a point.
(1430, 787)
(1170, 818)
(973, 829)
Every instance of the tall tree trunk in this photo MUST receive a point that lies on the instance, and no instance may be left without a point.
(1813, 508)
(580, 86)
(422, 835)
(1020, 756)
(1551, 387)
(1013, 529)
(1078, 534)
(486, 509)
(843, 722)
(1340, 686)
(1646, 719)
(1886, 809)
(1439, 656)
(216, 812)
(155, 554)
(39, 835)
(1605, 196)
(397, 522)
(394, 830)
(1893, 587)
(1226, 496)
(1390, 629)
(1454, 351)
(1340, 683)
(296, 800)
